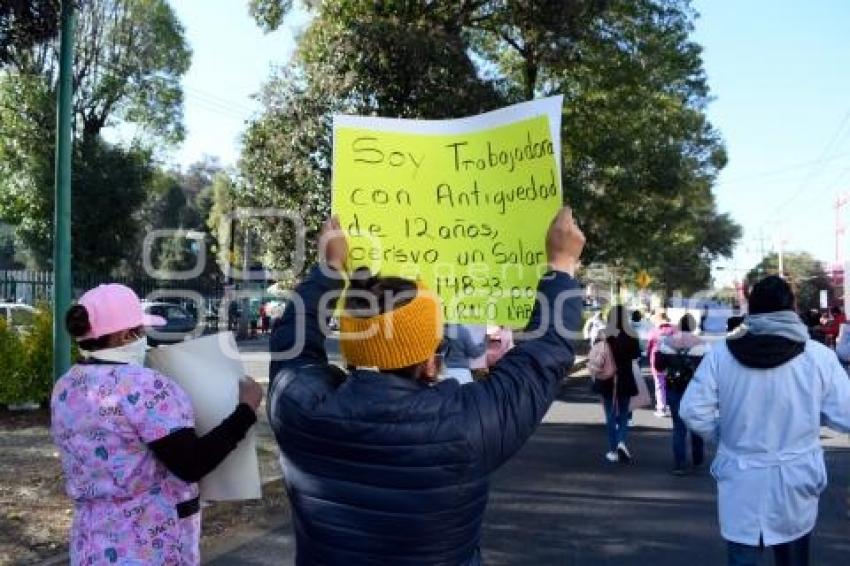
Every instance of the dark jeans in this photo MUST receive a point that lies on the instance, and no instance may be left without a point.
(794, 553)
(680, 433)
(616, 420)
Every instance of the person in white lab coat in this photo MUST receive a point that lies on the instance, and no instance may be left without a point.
(761, 397)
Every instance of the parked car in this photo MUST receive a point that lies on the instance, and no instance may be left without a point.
(180, 324)
(18, 316)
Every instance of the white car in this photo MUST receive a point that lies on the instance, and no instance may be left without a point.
(18, 315)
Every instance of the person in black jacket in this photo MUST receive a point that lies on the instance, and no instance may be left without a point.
(679, 356)
(617, 393)
(384, 464)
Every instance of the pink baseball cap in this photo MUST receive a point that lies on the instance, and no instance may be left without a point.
(112, 308)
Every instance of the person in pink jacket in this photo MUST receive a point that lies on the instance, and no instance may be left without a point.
(662, 329)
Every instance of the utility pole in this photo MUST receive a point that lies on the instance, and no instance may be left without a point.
(243, 331)
(840, 232)
(62, 206)
(840, 226)
(762, 249)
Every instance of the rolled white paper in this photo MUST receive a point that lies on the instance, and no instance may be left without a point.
(211, 379)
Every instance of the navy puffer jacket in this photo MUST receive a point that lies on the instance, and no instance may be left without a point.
(381, 469)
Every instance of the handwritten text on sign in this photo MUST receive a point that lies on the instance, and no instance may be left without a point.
(465, 212)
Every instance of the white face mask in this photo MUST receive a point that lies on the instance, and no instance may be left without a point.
(132, 353)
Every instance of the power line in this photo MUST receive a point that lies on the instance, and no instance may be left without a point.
(229, 104)
(804, 184)
(212, 102)
(217, 109)
(780, 171)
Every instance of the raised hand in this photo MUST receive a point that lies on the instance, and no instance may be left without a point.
(564, 242)
(333, 245)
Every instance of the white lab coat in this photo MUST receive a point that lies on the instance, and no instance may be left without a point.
(769, 465)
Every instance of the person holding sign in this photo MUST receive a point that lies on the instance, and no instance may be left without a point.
(384, 464)
(127, 438)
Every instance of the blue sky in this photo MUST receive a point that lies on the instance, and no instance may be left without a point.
(231, 59)
(779, 71)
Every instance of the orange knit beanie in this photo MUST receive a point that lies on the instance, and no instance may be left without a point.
(395, 339)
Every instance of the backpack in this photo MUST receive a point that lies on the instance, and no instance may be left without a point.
(600, 361)
(681, 367)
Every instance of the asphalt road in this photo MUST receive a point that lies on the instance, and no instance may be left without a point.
(558, 502)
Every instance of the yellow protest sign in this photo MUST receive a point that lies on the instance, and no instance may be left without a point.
(462, 204)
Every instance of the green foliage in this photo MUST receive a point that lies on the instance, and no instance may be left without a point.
(129, 59)
(222, 201)
(639, 154)
(26, 160)
(24, 23)
(805, 274)
(8, 253)
(357, 57)
(269, 13)
(36, 372)
(108, 187)
(178, 201)
(27, 361)
(10, 360)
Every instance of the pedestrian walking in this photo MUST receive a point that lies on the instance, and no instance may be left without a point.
(265, 318)
(233, 316)
(643, 329)
(842, 347)
(762, 395)
(678, 357)
(617, 393)
(126, 435)
(384, 463)
(662, 328)
(831, 323)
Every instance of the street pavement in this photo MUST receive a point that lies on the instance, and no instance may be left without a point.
(558, 502)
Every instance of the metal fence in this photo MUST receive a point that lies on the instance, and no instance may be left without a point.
(28, 287)
(32, 287)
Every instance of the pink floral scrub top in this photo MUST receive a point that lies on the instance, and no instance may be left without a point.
(126, 502)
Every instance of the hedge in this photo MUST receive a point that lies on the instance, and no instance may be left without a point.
(26, 361)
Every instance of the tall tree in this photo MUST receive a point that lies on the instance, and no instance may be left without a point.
(109, 188)
(639, 154)
(8, 250)
(25, 23)
(222, 202)
(173, 202)
(405, 59)
(129, 59)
